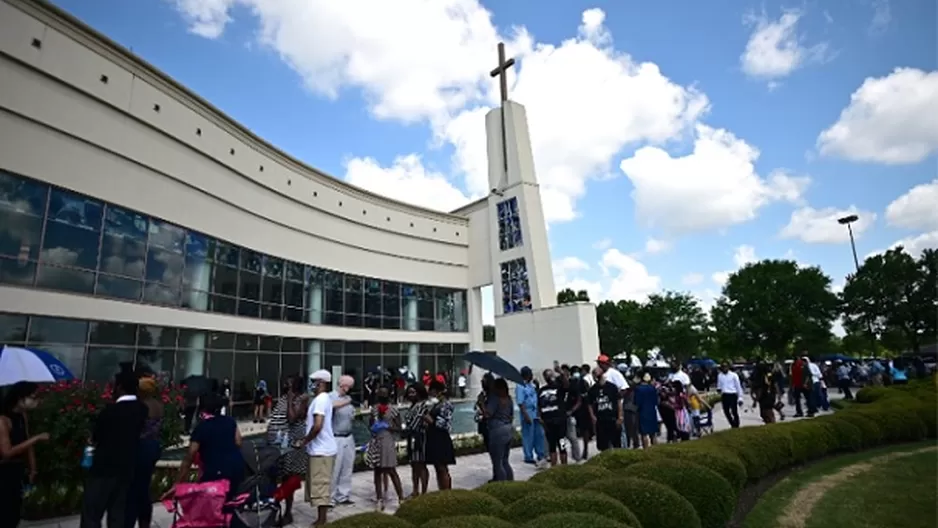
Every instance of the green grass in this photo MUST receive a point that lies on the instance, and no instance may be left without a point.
(901, 492)
(774, 501)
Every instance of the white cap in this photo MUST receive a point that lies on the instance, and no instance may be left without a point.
(321, 375)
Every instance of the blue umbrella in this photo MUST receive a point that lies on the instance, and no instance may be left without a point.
(495, 365)
(702, 362)
(28, 364)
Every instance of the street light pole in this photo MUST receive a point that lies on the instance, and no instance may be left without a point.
(847, 220)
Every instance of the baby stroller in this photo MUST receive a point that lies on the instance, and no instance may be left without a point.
(703, 422)
(251, 505)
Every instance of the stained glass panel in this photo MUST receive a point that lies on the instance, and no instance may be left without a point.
(516, 292)
(509, 224)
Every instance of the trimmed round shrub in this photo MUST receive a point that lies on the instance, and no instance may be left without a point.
(510, 491)
(654, 504)
(896, 419)
(448, 503)
(761, 449)
(810, 440)
(371, 520)
(542, 503)
(469, 521)
(729, 466)
(846, 435)
(568, 520)
(928, 412)
(570, 477)
(709, 493)
(872, 394)
(616, 459)
(870, 433)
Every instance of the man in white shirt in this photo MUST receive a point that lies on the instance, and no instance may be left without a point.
(730, 390)
(814, 395)
(320, 445)
(678, 374)
(343, 416)
(610, 374)
(461, 383)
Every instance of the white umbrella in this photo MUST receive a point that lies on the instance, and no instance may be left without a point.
(23, 364)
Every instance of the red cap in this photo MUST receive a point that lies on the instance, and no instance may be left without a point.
(603, 358)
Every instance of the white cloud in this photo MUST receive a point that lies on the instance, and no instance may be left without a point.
(715, 186)
(914, 245)
(882, 16)
(742, 255)
(889, 120)
(630, 279)
(406, 180)
(916, 209)
(653, 246)
(603, 244)
(775, 48)
(692, 279)
(820, 226)
(386, 56)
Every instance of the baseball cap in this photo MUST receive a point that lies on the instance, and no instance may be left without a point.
(321, 375)
(603, 358)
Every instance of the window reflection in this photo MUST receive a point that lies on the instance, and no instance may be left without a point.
(105, 250)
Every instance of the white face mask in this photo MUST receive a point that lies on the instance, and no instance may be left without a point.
(30, 403)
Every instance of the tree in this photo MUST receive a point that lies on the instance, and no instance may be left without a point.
(768, 306)
(676, 323)
(894, 295)
(621, 328)
(567, 295)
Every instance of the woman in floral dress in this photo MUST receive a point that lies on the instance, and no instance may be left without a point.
(439, 444)
(416, 437)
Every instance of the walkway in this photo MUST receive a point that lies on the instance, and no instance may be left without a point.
(469, 472)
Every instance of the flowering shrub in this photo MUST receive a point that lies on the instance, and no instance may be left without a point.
(67, 411)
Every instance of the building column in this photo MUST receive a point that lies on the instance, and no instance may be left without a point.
(201, 277)
(314, 302)
(410, 313)
(413, 359)
(195, 350)
(313, 356)
(474, 306)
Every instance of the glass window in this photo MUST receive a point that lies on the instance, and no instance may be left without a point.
(220, 341)
(159, 360)
(69, 254)
(425, 312)
(157, 336)
(105, 362)
(12, 329)
(333, 296)
(72, 355)
(427, 358)
(268, 369)
(56, 330)
(197, 271)
(373, 303)
(22, 208)
(220, 364)
(445, 309)
(165, 263)
(391, 305)
(516, 293)
(509, 224)
(269, 344)
(112, 333)
(123, 254)
(244, 379)
(332, 354)
(353, 301)
(294, 291)
(189, 362)
(292, 365)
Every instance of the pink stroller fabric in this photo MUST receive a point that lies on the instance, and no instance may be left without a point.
(199, 505)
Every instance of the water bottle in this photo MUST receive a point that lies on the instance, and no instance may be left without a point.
(87, 456)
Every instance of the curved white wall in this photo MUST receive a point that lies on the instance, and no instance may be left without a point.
(81, 113)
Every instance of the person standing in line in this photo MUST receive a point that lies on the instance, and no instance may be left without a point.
(799, 388)
(139, 504)
(813, 385)
(573, 398)
(730, 389)
(288, 417)
(605, 411)
(321, 447)
(843, 380)
(439, 449)
(417, 395)
(499, 415)
(532, 433)
(461, 382)
(552, 415)
(17, 456)
(482, 426)
(646, 401)
(343, 415)
(115, 437)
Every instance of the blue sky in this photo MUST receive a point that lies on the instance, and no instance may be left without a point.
(674, 141)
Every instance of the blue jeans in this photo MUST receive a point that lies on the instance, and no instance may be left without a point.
(499, 448)
(532, 441)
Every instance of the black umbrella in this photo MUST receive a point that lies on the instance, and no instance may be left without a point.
(495, 365)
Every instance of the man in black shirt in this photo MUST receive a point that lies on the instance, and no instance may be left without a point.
(115, 437)
(606, 412)
(552, 413)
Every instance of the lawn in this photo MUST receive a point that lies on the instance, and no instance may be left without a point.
(901, 492)
(775, 504)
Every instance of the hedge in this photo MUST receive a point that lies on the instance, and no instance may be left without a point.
(616, 459)
(727, 465)
(371, 520)
(510, 491)
(543, 503)
(570, 476)
(468, 521)
(448, 503)
(709, 493)
(653, 504)
(580, 520)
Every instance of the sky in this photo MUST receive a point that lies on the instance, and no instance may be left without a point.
(674, 142)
